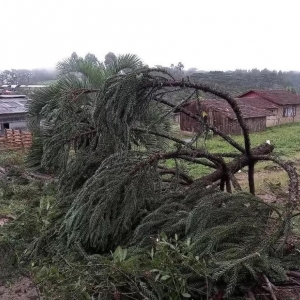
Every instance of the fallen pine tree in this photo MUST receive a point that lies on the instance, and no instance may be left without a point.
(109, 144)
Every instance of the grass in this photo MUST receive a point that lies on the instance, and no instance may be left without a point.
(11, 158)
(285, 138)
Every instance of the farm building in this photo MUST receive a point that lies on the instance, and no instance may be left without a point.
(284, 104)
(12, 112)
(220, 114)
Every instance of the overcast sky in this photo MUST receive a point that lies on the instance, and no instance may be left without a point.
(206, 34)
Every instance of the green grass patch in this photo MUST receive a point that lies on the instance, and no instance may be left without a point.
(11, 158)
(285, 138)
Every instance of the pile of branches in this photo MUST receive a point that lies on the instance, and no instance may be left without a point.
(117, 189)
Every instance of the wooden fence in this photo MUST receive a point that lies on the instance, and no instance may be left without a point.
(15, 140)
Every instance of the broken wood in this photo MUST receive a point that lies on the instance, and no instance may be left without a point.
(270, 287)
(293, 274)
(235, 165)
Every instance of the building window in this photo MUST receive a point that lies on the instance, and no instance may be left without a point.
(289, 111)
(6, 125)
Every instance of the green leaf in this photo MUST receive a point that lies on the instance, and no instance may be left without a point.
(164, 236)
(48, 204)
(165, 277)
(172, 246)
(188, 242)
(186, 295)
(118, 253)
(124, 254)
(154, 270)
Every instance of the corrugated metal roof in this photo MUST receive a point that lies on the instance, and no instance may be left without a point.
(12, 105)
(12, 96)
(24, 85)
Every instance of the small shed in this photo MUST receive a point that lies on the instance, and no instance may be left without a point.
(220, 114)
(13, 113)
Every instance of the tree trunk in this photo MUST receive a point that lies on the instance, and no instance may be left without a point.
(235, 165)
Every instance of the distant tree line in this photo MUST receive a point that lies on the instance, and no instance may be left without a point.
(39, 76)
(238, 81)
(25, 76)
(234, 82)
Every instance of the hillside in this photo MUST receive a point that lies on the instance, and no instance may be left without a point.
(240, 81)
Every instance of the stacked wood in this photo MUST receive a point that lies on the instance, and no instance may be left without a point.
(16, 140)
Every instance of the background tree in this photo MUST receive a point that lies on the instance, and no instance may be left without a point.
(24, 76)
(110, 58)
(53, 118)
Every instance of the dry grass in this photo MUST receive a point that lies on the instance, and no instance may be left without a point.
(266, 181)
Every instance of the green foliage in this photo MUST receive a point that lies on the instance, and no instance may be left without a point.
(108, 207)
(239, 81)
(19, 203)
(11, 158)
(57, 118)
(284, 137)
(168, 271)
(238, 236)
(103, 129)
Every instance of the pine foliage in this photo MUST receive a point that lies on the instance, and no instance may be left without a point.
(57, 117)
(109, 206)
(106, 130)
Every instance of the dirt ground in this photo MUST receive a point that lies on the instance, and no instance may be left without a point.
(22, 289)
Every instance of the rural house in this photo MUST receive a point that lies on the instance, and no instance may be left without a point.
(12, 112)
(284, 104)
(220, 114)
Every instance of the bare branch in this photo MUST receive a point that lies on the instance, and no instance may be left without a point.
(212, 128)
(167, 136)
(175, 172)
(198, 161)
(236, 164)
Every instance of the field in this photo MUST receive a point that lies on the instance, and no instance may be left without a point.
(285, 138)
